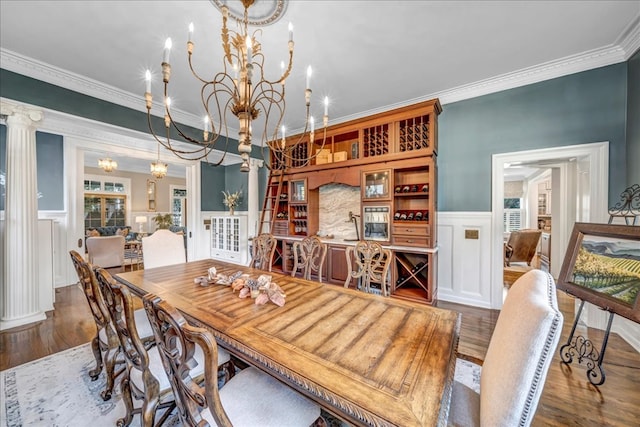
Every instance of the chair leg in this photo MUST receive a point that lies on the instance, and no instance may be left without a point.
(229, 369)
(128, 402)
(97, 354)
(149, 404)
(110, 366)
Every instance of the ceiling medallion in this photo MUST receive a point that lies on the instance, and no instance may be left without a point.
(261, 13)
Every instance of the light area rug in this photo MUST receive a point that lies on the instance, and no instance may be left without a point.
(57, 391)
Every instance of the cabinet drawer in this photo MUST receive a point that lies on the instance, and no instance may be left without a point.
(423, 242)
(412, 230)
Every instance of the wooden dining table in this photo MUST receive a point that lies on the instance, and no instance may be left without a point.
(367, 359)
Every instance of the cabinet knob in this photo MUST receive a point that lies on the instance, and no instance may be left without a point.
(409, 241)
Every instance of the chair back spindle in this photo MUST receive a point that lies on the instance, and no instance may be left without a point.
(309, 255)
(371, 265)
(264, 247)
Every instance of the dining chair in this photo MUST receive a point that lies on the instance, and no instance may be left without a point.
(371, 265)
(162, 248)
(144, 378)
(250, 398)
(518, 357)
(106, 252)
(309, 255)
(105, 345)
(264, 246)
(521, 246)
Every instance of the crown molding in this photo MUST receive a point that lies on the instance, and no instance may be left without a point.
(629, 39)
(625, 46)
(102, 137)
(38, 70)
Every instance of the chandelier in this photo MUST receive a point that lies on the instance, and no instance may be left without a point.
(241, 89)
(107, 164)
(159, 169)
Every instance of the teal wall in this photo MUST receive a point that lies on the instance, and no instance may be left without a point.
(633, 121)
(215, 179)
(212, 183)
(576, 109)
(580, 108)
(36, 92)
(50, 167)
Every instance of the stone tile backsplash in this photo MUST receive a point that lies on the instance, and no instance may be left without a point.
(336, 200)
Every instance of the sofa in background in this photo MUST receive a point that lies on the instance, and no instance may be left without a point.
(111, 230)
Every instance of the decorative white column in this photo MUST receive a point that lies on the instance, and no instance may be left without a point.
(20, 298)
(253, 197)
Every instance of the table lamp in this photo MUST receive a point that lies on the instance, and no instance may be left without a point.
(141, 220)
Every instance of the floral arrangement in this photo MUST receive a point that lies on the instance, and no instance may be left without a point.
(231, 200)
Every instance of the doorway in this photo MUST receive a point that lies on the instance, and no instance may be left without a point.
(580, 193)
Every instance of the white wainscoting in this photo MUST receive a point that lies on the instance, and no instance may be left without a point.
(465, 277)
(464, 264)
(62, 276)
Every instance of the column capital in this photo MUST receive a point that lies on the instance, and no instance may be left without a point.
(21, 113)
(256, 163)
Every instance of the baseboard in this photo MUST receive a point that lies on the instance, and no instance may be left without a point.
(629, 331)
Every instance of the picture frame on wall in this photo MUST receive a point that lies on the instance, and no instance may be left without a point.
(602, 267)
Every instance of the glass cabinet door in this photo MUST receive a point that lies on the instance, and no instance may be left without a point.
(298, 192)
(376, 185)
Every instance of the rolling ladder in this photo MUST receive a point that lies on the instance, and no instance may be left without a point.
(271, 201)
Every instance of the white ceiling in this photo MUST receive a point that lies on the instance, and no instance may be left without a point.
(366, 56)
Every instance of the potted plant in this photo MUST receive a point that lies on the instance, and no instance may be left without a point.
(163, 221)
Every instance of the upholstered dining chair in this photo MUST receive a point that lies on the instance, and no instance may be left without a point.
(105, 345)
(309, 255)
(162, 248)
(264, 246)
(371, 265)
(144, 379)
(250, 398)
(106, 252)
(517, 360)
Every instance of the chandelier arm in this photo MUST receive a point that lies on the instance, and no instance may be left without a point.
(205, 102)
(182, 154)
(203, 144)
(193, 71)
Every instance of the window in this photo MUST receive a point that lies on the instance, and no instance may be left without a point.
(101, 210)
(178, 205)
(114, 187)
(105, 201)
(513, 214)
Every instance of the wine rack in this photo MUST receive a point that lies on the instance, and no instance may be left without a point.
(277, 160)
(414, 134)
(411, 273)
(376, 141)
(298, 155)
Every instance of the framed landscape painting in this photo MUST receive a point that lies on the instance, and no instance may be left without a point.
(602, 266)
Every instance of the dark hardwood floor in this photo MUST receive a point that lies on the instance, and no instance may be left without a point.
(568, 398)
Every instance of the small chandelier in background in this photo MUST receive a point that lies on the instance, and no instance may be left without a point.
(159, 169)
(241, 89)
(107, 164)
